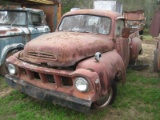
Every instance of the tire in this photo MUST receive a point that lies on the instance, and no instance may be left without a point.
(141, 32)
(155, 61)
(132, 62)
(107, 99)
(141, 52)
(3, 67)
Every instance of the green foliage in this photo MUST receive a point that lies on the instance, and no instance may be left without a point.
(3, 2)
(148, 5)
(68, 4)
(128, 5)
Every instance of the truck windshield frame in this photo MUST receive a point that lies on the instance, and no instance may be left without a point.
(13, 18)
(86, 23)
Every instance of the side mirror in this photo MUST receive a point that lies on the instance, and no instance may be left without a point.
(125, 32)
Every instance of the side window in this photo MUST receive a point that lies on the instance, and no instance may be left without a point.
(36, 19)
(119, 26)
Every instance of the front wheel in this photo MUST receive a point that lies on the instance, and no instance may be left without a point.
(3, 67)
(108, 98)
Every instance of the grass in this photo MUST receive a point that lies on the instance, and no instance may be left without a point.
(146, 35)
(138, 99)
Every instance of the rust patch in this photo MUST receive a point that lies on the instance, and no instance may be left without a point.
(5, 31)
(134, 15)
(15, 29)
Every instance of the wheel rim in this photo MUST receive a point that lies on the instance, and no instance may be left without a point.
(105, 100)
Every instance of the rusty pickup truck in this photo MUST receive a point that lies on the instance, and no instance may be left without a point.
(80, 64)
(17, 27)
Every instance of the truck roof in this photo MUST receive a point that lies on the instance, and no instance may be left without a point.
(136, 11)
(106, 13)
(21, 9)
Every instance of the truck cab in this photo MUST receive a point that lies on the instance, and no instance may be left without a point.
(17, 27)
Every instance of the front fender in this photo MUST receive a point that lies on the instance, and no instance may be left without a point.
(8, 48)
(107, 68)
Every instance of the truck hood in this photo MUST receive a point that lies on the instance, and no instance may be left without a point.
(9, 31)
(63, 49)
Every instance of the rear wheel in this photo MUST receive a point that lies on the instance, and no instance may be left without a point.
(140, 52)
(132, 62)
(108, 98)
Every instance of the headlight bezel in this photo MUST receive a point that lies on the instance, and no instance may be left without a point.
(11, 69)
(84, 87)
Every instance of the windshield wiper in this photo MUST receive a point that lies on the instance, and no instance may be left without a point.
(14, 20)
(82, 31)
(85, 31)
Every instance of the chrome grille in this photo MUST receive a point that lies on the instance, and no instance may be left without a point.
(43, 55)
(45, 78)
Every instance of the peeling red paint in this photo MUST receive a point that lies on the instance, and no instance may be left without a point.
(64, 48)
(9, 30)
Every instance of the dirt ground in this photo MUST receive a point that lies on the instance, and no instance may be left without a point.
(147, 57)
(6, 91)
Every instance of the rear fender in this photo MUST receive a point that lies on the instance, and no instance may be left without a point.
(107, 68)
(135, 48)
(8, 48)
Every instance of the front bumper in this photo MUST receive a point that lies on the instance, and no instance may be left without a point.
(52, 96)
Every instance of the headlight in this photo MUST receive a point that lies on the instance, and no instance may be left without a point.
(12, 69)
(81, 84)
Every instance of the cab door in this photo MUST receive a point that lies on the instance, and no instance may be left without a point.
(122, 44)
(36, 25)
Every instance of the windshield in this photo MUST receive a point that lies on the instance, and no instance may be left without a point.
(12, 18)
(134, 23)
(86, 23)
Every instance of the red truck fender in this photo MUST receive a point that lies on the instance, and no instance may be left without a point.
(107, 69)
(135, 48)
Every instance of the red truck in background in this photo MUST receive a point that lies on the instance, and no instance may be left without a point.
(79, 65)
(154, 31)
(135, 20)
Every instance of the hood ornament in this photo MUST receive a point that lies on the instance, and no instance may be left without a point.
(97, 56)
